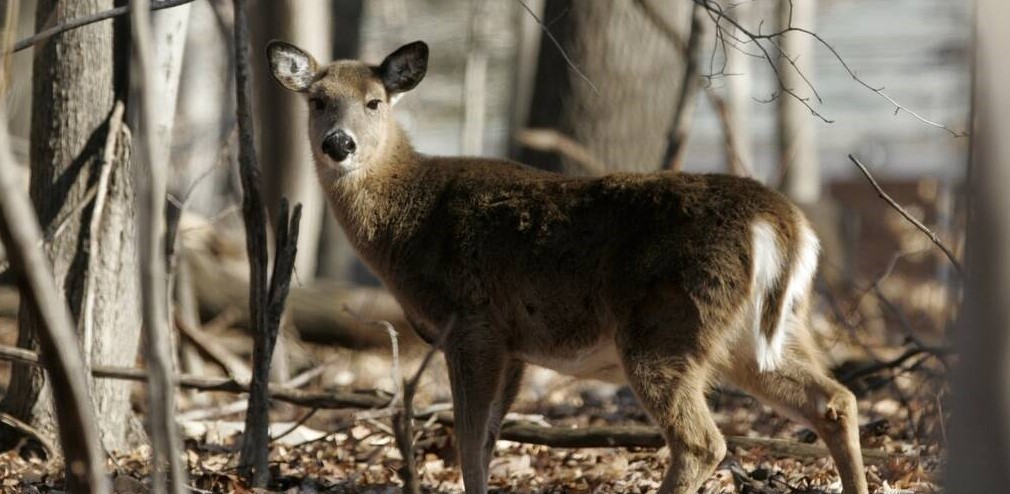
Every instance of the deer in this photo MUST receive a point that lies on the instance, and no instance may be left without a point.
(668, 282)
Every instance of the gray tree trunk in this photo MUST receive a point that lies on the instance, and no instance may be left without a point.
(636, 72)
(336, 258)
(288, 168)
(980, 432)
(73, 96)
(797, 127)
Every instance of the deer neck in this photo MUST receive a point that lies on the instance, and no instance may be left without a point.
(371, 203)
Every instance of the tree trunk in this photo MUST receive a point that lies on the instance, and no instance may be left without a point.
(288, 168)
(475, 81)
(336, 257)
(797, 127)
(738, 92)
(636, 72)
(73, 96)
(980, 433)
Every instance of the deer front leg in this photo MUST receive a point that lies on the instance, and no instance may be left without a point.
(476, 371)
(502, 403)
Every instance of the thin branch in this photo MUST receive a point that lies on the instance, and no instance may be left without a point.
(550, 140)
(287, 393)
(403, 422)
(233, 365)
(115, 126)
(718, 13)
(27, 430)
(85, 20)
(557, 43)
(911, 219)
(893, 363)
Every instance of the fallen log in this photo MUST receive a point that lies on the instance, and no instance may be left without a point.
(316, 311)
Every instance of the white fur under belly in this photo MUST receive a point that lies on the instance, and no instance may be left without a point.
(599, 361)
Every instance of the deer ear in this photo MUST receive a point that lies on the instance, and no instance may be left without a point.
(290, 65)
(403, 69)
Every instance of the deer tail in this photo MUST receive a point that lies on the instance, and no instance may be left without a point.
(782, 274)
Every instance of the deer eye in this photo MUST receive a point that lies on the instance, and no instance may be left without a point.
(317, 104)
(373, 104)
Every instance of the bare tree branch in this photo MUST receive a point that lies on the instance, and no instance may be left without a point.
(557, 43)
(911, 219)
(287, 394)
(550, 140)
(88, 19)
(718, 14)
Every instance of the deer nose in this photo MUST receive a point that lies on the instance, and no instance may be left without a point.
(339, 145)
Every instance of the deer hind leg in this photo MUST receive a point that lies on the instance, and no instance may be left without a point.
(477, 366)
(800, 389)
(668, 370)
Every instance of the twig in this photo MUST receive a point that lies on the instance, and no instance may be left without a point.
(893, 363)
(232, 364)
(394, 351)
(20, 232)
(557, 43)
(403, 422)
(296, 425)
(550, 140)
(85, 20)
(47, 447)
(719, 14)
(285, 393)
(242, 404)
(918, 224)
(115, 126)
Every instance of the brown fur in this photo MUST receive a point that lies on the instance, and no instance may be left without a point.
(637, 277)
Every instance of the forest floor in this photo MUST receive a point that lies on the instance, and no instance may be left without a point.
(900, 408)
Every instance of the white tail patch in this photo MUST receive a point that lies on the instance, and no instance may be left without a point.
(767, 258)
(769, 263)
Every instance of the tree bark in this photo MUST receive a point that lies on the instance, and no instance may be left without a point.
(635, 69)
(980, 432)
(73, 95)
(20, 232)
